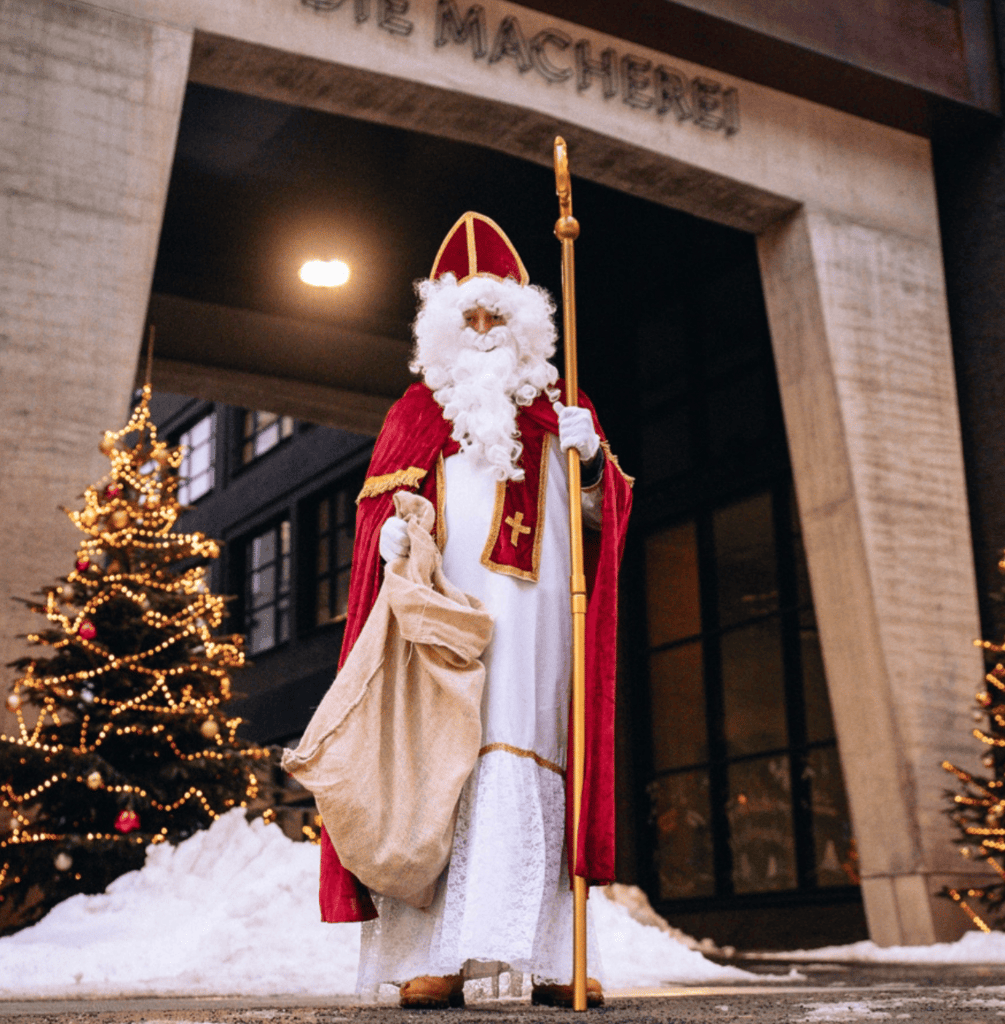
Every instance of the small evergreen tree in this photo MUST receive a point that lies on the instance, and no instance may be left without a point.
(122, 738)
(977, 806)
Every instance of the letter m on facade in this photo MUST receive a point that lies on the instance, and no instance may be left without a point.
(450, 26)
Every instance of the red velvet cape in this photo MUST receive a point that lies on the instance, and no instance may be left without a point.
(414, 435)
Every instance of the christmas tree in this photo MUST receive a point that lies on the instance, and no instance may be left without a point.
(977, 808)
(122, 737)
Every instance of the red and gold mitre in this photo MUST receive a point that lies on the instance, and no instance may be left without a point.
(477, 247)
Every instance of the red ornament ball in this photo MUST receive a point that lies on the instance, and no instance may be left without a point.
(127, 821)
(113, 491)
(82, 564)
(87, 630)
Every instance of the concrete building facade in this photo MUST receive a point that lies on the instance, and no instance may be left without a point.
(843, 206)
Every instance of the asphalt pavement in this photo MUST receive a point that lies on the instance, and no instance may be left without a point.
(822, 994)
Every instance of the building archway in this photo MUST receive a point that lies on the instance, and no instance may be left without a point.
(846, 222)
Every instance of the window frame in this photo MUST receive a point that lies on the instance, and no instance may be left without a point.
(211, 443)
(338, 559)
(288, 427)
(794, 615)
(282, 599)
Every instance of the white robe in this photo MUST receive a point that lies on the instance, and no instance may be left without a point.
(503, 902)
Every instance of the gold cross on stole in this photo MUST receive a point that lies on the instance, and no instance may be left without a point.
(518, 528)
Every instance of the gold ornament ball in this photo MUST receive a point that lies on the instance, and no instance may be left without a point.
(13, 702)
(63, 861)
(119, 519)
(209, 729)
(94, 780)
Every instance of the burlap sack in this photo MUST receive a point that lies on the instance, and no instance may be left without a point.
(397, 734)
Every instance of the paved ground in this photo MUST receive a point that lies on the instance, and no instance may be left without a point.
(827, 993)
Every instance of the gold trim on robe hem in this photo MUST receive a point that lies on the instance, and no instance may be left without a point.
(520, 752)
(441, 502)
(375, 485)
(630, 480)
(497, 514)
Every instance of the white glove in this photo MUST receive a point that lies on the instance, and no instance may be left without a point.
(394, 540)
(575, 430)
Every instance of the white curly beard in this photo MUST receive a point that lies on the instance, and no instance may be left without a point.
(481, 380)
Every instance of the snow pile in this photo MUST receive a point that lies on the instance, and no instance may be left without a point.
(233, 911)
(974, 948)
(636, 955)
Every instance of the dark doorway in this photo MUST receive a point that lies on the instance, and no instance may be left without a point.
(733, 810)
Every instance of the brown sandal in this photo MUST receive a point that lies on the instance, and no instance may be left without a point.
(429, 993)
(561, 995)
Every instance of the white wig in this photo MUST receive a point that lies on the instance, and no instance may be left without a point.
(440, 332)
(480, 379)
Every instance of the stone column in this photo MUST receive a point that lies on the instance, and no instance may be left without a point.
(861, 338)
(89, 109)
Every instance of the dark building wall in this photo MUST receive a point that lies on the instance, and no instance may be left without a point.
(277, 691)
(912, 64)
(970, 176)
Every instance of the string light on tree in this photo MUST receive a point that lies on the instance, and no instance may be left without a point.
(121, 739)
(977, 807)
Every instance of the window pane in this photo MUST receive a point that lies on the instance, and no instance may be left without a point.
(267, 439)
(676, 681)
(680, 810)
(199, 461)
(261, 634)
(819, 723)
(199, 486)
(760, 825)
(286, 426)
(343, 555)
(323, 613)
(323, 515)
(754, 688)
(263, 586)
(745, 559)
(284, 536)
(283, 623)
(673, 603)
(323, 555)
(284, 579)
(836, 857)
(341, 593)
(199, 434)
(263, 549)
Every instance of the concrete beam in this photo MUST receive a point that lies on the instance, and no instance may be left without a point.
(315, 403)
(865, 369)
(89, 106)
(319, 354)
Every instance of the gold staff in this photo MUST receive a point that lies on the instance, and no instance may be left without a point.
(567, 231)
